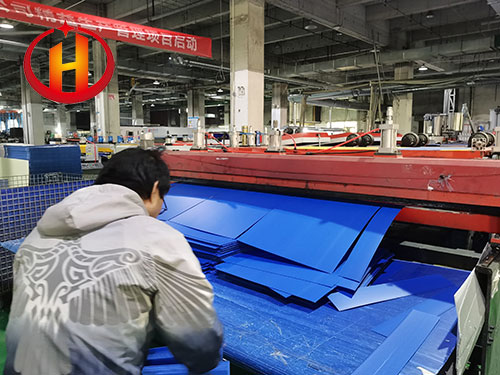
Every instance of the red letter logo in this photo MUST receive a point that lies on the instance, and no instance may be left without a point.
(80, 66)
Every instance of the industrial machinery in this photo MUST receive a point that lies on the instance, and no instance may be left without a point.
(450, 206)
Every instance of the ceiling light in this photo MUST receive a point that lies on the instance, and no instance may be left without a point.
(220, 90)
(156, 82)
(152, 105)
(5, 25)
(78, 110)
(429, 15)
(90, 74)
(310, 27)
(423, 68)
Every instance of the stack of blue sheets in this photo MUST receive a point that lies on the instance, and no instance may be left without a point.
(294, 246)
(414, 335)
(160, 361)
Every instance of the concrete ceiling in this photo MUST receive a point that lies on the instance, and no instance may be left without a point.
(452, 37)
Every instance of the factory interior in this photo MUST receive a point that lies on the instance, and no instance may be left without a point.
(334, 164)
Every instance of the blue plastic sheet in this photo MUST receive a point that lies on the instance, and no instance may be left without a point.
(436, 305)
(273, 336)
(355, 266)
(223, 218)
(313, 234)
(160, 361)
(303, 289)
(288, 269)
(12, 245)
(393, 354)
(160, 356)
(178, 369)
(176, 205)
(385, 292)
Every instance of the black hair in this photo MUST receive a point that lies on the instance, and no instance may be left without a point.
(138, 170)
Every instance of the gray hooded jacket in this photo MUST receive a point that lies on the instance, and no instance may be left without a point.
(95, 279)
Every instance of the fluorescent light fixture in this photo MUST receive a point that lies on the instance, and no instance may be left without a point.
(310, 27)
(429, 15)
(152, 105)
(220, 90)
(5, 25)
(156, 82)
(423, 68)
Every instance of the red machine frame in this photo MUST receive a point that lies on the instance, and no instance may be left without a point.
(453, 193)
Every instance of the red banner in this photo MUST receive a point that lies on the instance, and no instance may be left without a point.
(43, 15)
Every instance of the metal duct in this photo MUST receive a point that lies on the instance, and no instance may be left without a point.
(495, 4)
(393, 57)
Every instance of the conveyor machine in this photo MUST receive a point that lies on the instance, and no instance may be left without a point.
(450, 212)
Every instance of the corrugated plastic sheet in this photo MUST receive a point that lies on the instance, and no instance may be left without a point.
(283, 268)
(160, 361)
(395, 352)
(176, 205)
(435, 305)
(283, 338)
(160, 356)
(314, 233)
(355, 266)
(303, 289)
(384, 292)
(12, 245)
(177, 369)
(221, 217)
(207, 238)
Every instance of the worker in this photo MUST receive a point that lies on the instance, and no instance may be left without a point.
(100, 276)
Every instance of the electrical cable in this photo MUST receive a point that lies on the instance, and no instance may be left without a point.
(343, 143)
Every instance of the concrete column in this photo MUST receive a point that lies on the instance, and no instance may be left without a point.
(61, 120)
(107, 103)
(247, 64)
(279, 111)
(31, 102)
(183, 117)
(93, 120)
(196, 105)
(137, 110)
(147, 113)
(403, 103)
(227, 114)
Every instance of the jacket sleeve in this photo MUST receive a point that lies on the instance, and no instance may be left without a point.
(184, 315)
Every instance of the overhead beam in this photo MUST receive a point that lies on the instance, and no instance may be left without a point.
(402, 8)
(326, 13)
(275, 17)
(443, 18)
(393, 57)
(119, 9)
(176, 20)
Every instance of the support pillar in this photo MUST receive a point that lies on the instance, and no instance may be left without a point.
(62, 126)
(227, 114)
(32, 113)
(183, 117)
(107, 103)
(403, 103)
(279, 111)
(247, 64)
(196, 105)
(137, 110)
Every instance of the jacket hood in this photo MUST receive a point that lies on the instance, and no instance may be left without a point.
(90, 208)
